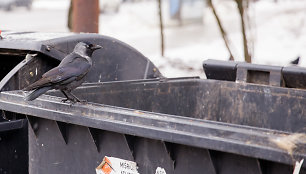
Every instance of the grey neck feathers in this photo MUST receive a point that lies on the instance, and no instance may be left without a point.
(82, 54)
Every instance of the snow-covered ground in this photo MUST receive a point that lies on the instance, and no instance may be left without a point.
(278, 31)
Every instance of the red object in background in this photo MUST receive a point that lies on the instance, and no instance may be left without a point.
(0, 35)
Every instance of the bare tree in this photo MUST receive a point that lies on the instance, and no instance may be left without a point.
(242, 6)
(85, 16)
(223, 33)
(161, 26)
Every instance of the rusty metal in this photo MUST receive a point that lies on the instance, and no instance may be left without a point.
(181, 125)
(288, 77)
(259, 74)
(85, 16)
(238, 139)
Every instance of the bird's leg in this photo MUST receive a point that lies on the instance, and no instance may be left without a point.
(65, 94)
(67, 97)
(73, 98)
(76, 99)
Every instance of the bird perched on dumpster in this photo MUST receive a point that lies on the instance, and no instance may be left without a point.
(68, 75)
(295, 61)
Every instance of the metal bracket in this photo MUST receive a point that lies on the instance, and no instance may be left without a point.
(55, 53)
(12, 125)
(95, 137)
(33, 124)
(259, 74)
(63, 128)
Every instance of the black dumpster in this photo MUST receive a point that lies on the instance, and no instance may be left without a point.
(25, 56)
(243, 119)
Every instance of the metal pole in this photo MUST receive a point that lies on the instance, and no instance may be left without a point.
(85, 16)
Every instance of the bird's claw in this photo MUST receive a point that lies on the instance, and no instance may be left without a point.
(72, 101)
(83, 101)
(64, 100)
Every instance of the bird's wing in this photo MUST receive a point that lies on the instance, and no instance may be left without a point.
(78, 64)
(68, 59)
(57, 75)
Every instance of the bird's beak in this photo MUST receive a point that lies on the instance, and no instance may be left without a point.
(95, 47)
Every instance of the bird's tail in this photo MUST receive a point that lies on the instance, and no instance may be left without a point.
(36, 93)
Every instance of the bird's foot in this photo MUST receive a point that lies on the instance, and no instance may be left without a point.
(72, 101)
(83, 101)
(76, 99)
(64, 100)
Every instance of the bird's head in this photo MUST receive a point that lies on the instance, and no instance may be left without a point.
(85, 48)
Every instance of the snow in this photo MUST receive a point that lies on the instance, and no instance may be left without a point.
(51, 5)
(278, 31)
(281, 37)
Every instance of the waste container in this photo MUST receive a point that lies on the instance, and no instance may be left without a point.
(13, 146)
(25, 56)
(243, 119)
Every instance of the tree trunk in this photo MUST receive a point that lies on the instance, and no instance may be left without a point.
(241, 8)
(85, 16)
(69, 23)
(223, 33)
(161, 26)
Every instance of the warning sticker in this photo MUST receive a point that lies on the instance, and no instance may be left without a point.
(160, 170)
(112, 165)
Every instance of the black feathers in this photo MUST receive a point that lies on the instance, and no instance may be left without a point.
(68, 75)
(295, 61)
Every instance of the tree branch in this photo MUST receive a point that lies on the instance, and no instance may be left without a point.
(223, 33)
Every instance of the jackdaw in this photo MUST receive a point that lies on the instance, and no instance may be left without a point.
(68, 75)
(295, 61)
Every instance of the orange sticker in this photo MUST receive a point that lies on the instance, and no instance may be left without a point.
(107, 169)
(112, 165)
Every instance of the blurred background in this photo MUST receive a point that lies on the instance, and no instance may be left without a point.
(178, 35)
